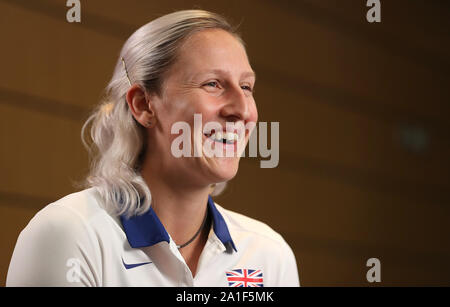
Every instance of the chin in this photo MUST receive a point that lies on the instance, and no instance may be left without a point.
(221, 168)
(224, 169)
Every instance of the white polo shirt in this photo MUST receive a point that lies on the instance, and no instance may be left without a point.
(75, 242)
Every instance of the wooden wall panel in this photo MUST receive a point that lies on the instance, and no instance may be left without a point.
(311, 204)
(347, 224)
(53, 59)
(339, 60)
(311, 128)
(44, 155)
(420, 24)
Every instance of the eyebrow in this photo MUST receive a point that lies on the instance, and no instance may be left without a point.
(220, 71)
(248, 74)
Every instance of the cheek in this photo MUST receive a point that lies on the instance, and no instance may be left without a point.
(180, 112)
(177, 109)
(253, 112)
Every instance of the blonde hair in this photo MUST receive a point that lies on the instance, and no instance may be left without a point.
(117, 141)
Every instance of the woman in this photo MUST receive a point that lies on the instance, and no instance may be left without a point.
(173, 71)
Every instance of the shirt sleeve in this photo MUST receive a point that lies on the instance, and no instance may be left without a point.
(55, 249)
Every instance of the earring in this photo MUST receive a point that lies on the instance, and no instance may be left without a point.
(149, 123)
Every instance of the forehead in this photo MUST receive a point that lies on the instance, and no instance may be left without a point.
(212, 49)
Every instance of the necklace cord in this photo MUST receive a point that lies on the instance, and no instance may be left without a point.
(196, 234)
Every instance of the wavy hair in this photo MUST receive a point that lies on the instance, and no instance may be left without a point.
(115, 141)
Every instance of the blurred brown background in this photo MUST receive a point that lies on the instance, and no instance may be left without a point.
(364, 124)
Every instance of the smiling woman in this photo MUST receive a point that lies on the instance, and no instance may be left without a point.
(147, 216)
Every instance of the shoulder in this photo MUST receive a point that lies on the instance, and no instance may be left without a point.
(62, 231)
(245, 228)
(72, 211)
(71, 220)
(85, 204)
(68, 222)
(262, 246)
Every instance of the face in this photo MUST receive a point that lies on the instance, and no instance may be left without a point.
(211, 77)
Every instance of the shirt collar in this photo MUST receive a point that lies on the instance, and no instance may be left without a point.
(147, 230)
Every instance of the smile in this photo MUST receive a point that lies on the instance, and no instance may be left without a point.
(223, 137)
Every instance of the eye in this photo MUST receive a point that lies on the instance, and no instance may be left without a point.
(247, 88)
(213, 84)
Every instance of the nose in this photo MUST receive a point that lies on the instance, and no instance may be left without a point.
(237, 106)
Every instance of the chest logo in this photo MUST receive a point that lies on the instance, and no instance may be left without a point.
(245, 278)
(133, 265)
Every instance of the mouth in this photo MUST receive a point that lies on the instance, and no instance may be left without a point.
(223, 137)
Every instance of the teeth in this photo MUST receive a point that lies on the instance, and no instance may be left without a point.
(218, 136)
(229, 137)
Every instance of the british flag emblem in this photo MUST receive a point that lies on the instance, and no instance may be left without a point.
(245, 278)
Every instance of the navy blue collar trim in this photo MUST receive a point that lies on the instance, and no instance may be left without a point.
(147, 230)
(219, 225)
(144, 230)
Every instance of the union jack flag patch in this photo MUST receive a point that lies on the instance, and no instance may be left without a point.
(245, 278)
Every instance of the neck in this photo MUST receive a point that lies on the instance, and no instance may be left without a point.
(180, 208)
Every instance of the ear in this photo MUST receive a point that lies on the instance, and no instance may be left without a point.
(140, 105)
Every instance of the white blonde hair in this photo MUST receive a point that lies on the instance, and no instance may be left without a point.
(116, 142)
